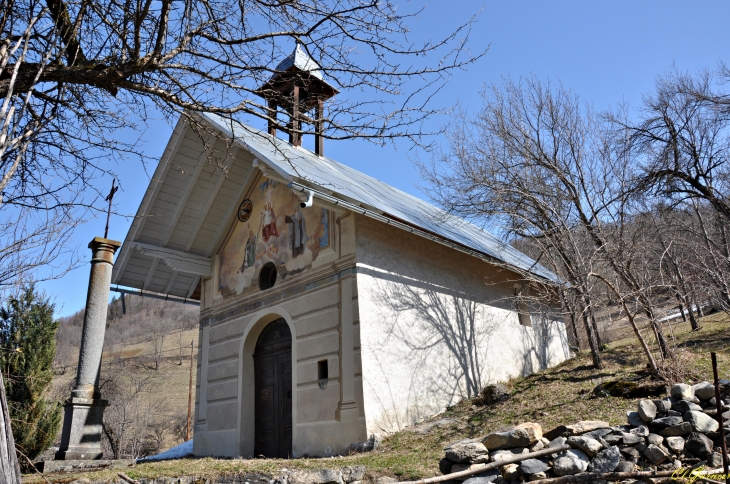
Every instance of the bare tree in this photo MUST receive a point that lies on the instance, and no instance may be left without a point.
(682, 140)
(158, 341)
(542, 167)
(76, 73)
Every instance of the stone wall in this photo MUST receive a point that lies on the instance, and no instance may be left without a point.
(680, 431)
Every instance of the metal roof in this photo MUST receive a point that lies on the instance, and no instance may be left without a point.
(301, 61)
(301, 165)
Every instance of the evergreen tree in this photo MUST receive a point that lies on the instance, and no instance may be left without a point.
(27, 350)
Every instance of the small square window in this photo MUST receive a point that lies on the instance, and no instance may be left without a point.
(322, 374)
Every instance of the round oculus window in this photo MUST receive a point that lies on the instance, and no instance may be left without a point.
(267, 276)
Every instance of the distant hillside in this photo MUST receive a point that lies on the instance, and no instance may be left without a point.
(145, 320)
(144, 373)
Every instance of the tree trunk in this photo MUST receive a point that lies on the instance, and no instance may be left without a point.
(589, 304)
(592, 340)
(9, 467)
(573, 325)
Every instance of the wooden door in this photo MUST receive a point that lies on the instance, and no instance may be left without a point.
(272, 370)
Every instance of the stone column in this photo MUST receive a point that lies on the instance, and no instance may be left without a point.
(83, 412)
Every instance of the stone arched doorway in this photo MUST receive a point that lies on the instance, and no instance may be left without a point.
(273, 391)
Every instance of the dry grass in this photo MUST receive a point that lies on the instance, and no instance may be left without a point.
(560, 395)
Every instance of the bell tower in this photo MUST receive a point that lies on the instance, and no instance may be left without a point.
(298, 86)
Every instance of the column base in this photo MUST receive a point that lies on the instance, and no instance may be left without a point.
(82, 427)
(347, 412)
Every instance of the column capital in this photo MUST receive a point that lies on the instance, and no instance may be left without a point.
(103, 250)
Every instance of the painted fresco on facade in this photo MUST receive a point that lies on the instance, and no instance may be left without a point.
(278, 231)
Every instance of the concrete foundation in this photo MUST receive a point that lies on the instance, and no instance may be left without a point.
(57, 466)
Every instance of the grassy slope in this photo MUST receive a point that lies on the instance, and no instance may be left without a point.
(560, 395)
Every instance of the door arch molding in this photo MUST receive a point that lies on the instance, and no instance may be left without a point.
(254, 325)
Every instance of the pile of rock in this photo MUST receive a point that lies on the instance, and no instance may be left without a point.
(678, 431)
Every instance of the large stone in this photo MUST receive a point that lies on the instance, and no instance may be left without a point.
(685, 428)
(511, 472)
(464, 467)
(663, 405)
(613, 439)
(631, 439)
(597, 434)
(494, 393)
(655, 439)
(590, 446)
(571, 462)
(656, 454)
(634, 418)
(584, 426)
(606, 460)
(632, 453)
(701, 422)
(353, 473)
(520, 436)
(559, 431)
(318, 476)
(532, 466)
(539, 445)
(715, 460)
(647, 410)
(483, 478)
(680, 390)
(683, 406)
(463, 452)
(676, 444)
(704, 390)
(699, 444)
(505, 454)
(664, 422)
(558, 442)
(625, 466)
(642, 431)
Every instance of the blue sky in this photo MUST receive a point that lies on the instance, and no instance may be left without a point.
(608, 53)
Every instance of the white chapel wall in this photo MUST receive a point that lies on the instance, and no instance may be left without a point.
(436, 325)
(224, 399)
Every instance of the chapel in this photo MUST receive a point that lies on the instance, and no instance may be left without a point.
(333, 307)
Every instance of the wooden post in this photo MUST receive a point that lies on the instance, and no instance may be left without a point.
(295, 137)
(9, 467)
(723, 442)
(319, 128)
(272, 115)
(190, 394)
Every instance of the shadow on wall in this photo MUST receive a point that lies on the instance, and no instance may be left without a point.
(546, 342)
(446, 347)
(442, 341)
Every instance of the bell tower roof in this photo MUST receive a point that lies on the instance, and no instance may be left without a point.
(298, 68)
(297, 87)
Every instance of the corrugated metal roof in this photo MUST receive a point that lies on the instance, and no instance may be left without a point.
(299, 164)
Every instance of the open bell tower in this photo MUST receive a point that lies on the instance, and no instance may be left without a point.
(298, 86)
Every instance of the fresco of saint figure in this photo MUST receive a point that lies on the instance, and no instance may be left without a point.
(285, 234)
(297, 233)
(249, 255)
(269, 223)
